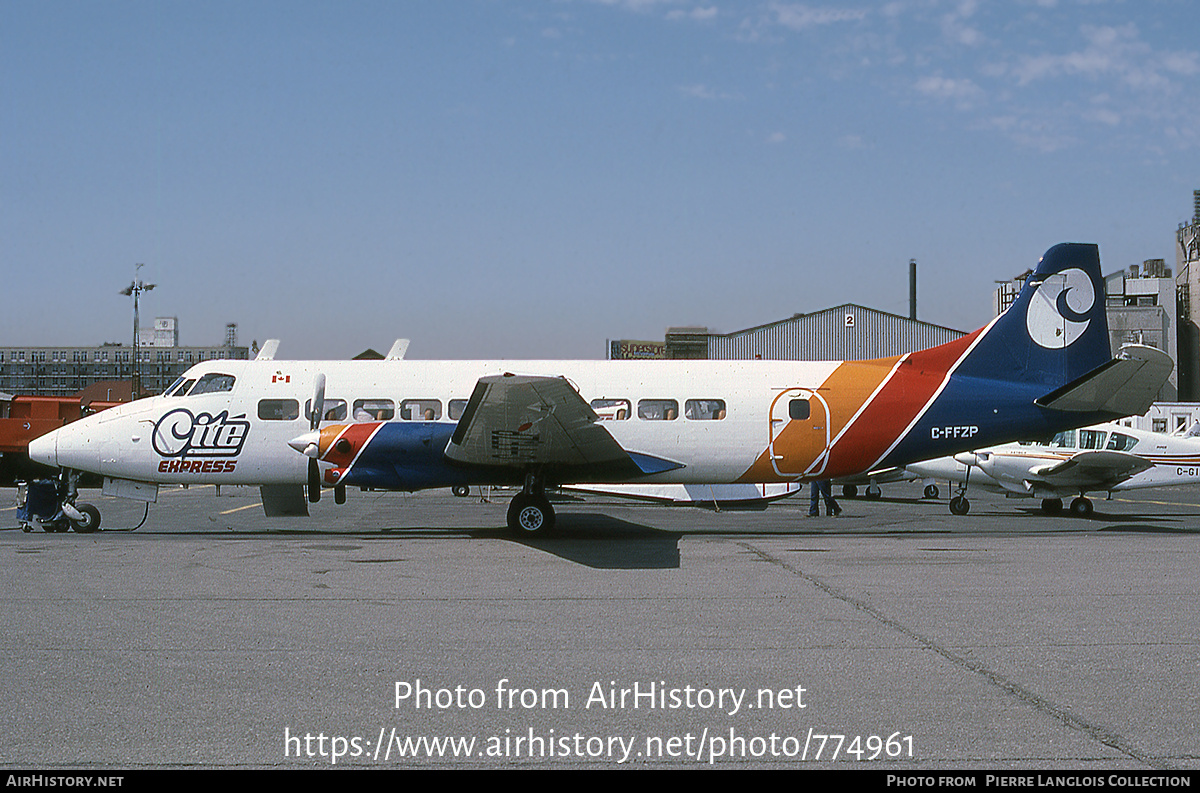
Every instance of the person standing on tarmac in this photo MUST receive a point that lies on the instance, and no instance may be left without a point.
(822, 488)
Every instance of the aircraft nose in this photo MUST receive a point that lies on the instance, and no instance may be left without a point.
(44, 450)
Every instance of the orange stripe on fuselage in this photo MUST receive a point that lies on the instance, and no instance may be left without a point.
(845, 390)
(862, 434)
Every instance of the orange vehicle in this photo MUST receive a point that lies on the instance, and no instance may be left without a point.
(23, 418)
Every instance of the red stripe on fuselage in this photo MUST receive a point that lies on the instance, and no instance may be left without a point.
(909, 391)
(356, 434)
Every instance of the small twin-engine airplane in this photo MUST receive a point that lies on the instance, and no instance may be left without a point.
(1101, 458)
(1041, 367)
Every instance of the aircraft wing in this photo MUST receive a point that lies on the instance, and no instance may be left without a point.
(526, 421)
(1091, 470)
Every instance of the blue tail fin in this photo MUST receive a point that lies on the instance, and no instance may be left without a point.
(1055, 331)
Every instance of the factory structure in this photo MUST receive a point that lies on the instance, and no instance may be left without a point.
(106, 372)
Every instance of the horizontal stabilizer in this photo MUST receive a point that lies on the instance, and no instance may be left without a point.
(1125, 386)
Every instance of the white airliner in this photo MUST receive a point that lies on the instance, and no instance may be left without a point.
(1101, 458)
(1041, 367)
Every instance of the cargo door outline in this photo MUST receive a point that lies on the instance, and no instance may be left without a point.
(798, 447)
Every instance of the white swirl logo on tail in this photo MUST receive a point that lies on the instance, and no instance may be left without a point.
(1057, 314)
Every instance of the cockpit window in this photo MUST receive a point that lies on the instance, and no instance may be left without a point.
(212, 384)
(179, 388)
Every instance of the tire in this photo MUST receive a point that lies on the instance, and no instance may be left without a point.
(874, 492)
(931, 491)
(91, 519)
(849, 491)
(461, 490)
(1081, 507)
(1052, 506)
(959, 506)
(530, 515)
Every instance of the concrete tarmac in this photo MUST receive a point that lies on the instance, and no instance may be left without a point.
(401, 631)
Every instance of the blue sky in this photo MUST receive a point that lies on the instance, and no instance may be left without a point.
(528, 179)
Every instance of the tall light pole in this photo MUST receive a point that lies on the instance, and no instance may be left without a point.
(135, 289)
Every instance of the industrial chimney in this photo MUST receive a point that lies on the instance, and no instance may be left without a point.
(912, 288)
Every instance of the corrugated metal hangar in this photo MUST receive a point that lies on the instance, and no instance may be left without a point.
(844, 333)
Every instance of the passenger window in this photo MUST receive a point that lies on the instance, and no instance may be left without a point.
(612, 409)
(421, 409)
(1064, 440)
(213, 384)
(1121, 443)
(278, 410)
(658, 409)
(1091, 439)
(704, 409)
(335, 410)
(457, 406)
(799, 409)
(374, 409)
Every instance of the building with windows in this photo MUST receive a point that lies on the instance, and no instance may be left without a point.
(65, 371)
(1187, 281)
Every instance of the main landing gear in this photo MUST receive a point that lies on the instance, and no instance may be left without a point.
(530, 513)
(1081, 506)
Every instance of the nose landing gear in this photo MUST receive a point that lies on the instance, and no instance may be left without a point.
(49, 504)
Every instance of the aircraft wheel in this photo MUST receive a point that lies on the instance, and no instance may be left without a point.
(1052, 506)
(1081, 507)
(461, 490)
(873, 491)
(91, 519)
(849, 491)
(959, 506)
(530, 515)
(931, 491)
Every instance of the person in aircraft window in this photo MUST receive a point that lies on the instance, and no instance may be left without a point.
(822, 488)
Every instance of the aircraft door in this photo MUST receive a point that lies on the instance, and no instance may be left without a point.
(799, 433)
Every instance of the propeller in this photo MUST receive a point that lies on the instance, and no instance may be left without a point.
(314, 449)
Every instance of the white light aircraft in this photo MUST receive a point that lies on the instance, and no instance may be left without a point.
(1102, 458)
(291, 426)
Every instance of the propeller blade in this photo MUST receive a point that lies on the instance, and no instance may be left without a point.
(314, 480)
(318, 403)
(314, 468)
